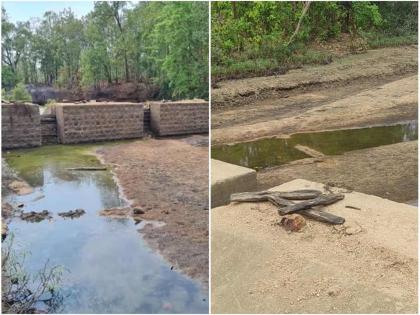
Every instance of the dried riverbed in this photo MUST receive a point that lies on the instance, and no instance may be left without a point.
(374, 89)
(168, 179)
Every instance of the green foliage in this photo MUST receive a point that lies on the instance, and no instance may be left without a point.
(22, 293)
(161, 42)
(249, 36)
(181, 39)
(20, 94)
(8, 77)
(4, 95)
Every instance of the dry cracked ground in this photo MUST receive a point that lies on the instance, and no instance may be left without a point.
(168, 179)
(378, 87)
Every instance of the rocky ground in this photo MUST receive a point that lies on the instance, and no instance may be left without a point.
(168, 180)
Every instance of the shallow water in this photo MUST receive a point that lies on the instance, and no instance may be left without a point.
(110, 267)
(270, 152)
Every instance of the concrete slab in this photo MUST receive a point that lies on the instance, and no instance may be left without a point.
(227, 179)
(367, 265)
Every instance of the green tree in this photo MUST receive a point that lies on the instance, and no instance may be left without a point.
(19, 93)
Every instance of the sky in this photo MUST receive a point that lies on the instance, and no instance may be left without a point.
(24, 10)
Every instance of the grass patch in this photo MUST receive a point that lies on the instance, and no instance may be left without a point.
(278, 60)
(244, 68)
(381, 41)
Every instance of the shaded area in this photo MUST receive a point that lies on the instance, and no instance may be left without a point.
(110, 267)
(271, 152)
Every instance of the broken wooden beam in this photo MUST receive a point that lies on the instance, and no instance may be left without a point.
(282, 200)
(322, 200)
(87, 168)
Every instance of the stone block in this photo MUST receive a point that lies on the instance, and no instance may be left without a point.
(227, 179)
(90, 122)
(21, 127)
(179, 117)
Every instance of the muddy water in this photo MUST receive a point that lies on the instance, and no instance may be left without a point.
(277, 151)
(110, 269)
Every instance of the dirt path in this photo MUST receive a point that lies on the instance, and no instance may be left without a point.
(371, 171)
(390, 103)
(361, 267)
(168, 178)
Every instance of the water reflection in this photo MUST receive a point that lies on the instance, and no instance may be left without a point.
(277, 151)
(112, 270)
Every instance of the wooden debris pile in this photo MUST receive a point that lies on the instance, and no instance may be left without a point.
(308, 203)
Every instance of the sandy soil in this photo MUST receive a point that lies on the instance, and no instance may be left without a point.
(390, 103)
(168, 179)
(372, 171)
(367, 265)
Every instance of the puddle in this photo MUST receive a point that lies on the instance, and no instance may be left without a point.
(111, 268)
(270, 152)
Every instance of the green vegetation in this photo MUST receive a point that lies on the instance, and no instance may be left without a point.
(264, 37)
(17, 94)
(23, 293)
(162, 43)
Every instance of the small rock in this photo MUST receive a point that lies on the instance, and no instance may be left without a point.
(115, 212)
(35, 216)
(137, 211)
(72, 214)
(352, 228)
(6, 210)
(334, 291)
(293, 222)
(20, 187)
(4, 230)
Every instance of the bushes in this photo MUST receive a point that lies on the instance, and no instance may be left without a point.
(252, 36)
(23, 293)
(17, 94)
(20, 94)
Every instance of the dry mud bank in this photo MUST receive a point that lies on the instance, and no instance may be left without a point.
(390, 103)
(374, 171)
(379, 63)
(360, 267)
(168, 179)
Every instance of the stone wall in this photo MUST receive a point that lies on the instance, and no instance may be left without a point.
(147, 120)
(21, 126)
(180, 117)
(89, 122)
(49, 129)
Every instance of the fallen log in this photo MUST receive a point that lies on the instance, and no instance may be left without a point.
(304, 194)
(312, 198)
(99, 168)
(323, 200)
(322, 216)
(72, 213)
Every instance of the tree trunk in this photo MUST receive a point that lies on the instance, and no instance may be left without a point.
(306, 6)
